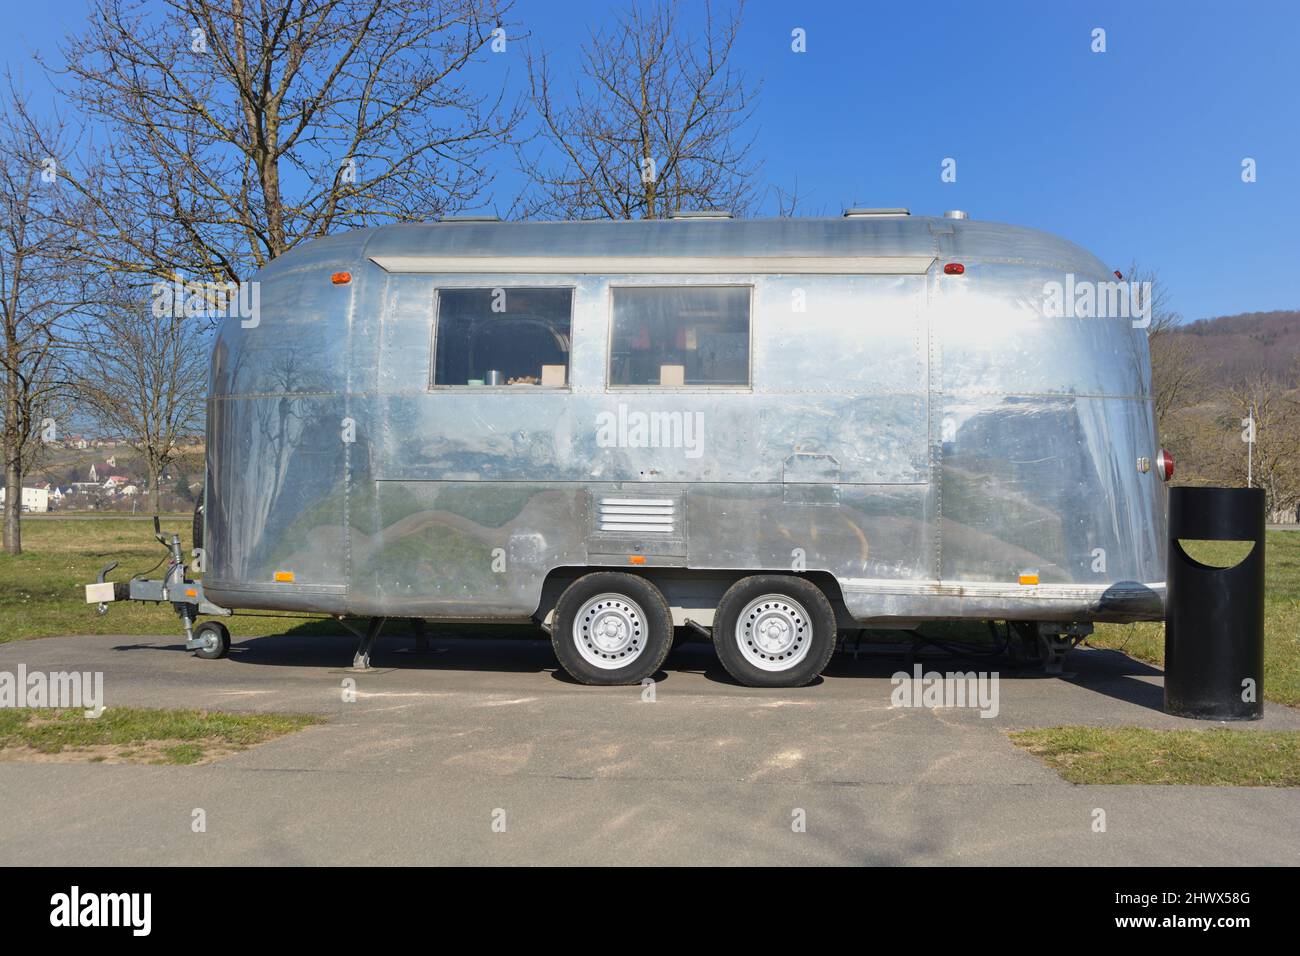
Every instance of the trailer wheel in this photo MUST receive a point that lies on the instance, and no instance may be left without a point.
(196, 529)
(611, 628)
(216, 640)
(774, 631)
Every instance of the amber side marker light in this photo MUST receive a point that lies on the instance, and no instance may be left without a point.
(635, 559)
(341, 278)
(1028, 577)
(284, 577)
(954, 269)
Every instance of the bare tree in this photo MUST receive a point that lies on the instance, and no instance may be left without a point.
(236, 129)
(41, 287)
(1176, 373)
(656, 122)
(788, 201)
(143, 377)
(1274, 459)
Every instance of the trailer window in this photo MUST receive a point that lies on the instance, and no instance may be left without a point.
(680, 335)
(503, 336)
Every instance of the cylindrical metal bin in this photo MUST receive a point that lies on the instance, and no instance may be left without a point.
(1214, 617)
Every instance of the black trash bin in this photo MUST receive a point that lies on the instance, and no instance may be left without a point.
(1214, 617)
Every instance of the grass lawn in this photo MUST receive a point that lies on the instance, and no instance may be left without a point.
(137, 735)
(1211, 758)
(42, 594)
(1146, 641)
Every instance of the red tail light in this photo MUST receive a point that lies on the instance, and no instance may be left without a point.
(1165, 465)
(953, 269)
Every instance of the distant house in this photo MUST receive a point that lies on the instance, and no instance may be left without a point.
(102, 469)
(33, 499)
(117, 484)
(51, 490)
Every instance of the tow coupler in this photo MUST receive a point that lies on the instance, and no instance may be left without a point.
(182, 593)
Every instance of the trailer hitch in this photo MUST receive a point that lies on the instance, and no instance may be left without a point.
(185, 596)
(103, 579)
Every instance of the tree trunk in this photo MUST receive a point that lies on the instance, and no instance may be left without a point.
(13, 508)
(153, 487)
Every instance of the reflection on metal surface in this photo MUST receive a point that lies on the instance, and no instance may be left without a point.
(920, 438)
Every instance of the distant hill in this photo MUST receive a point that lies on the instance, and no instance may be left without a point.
(1231, 347)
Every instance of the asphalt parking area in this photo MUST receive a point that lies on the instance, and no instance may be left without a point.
(481, 752)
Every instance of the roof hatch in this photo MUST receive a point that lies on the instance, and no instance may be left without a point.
(862, 212)
(700, 214)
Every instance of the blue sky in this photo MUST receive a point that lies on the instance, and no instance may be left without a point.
(1134, 153)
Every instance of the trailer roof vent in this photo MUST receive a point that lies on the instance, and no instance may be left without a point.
(471, 217)
(701, 214)
(956, 214)
(862, 212)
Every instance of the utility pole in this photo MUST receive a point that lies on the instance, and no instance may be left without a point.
(1248, 436)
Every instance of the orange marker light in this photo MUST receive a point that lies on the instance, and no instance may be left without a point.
(284, 577)
(341, 278)
(190, 592)
(636, 559)
(1029, 577)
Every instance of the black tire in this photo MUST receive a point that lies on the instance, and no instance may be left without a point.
(218, 640)
(196, 530)
(799, 609)
(643, 618)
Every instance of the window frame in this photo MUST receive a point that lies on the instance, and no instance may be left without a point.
(474, 285)
(709, 283)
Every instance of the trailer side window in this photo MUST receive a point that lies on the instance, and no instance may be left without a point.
(503, 336)
(680, 335)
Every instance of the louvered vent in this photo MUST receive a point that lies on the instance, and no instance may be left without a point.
(640, 515)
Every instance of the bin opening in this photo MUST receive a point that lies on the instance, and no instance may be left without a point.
(1214, 553)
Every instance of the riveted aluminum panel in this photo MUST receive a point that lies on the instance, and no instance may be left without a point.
(920, 437)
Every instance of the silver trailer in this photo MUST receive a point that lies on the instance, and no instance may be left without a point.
(772, 431)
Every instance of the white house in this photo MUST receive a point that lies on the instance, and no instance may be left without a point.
(34, 499)
(116, 484)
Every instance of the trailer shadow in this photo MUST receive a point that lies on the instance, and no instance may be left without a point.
(524, 652)
(1108, 673)
(526, 649)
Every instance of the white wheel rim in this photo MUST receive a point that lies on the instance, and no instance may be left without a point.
(774, 632)
(211, 640)
(609, 631)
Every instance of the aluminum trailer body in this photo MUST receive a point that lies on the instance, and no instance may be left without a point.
(829, 400)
